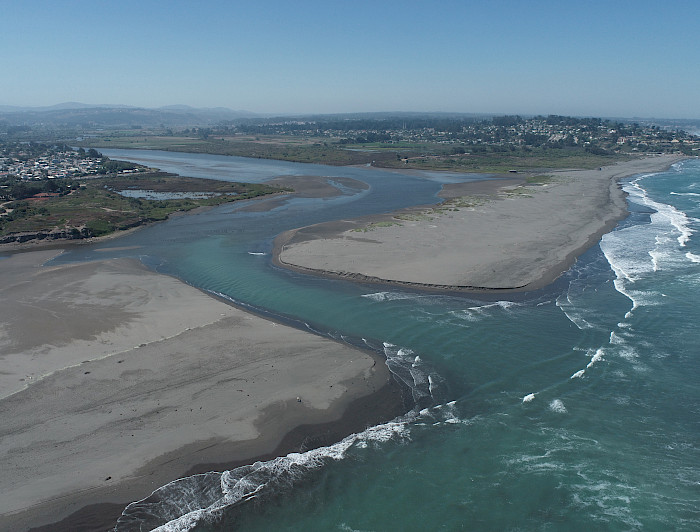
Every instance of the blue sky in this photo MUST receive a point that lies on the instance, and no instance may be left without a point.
(614, 58)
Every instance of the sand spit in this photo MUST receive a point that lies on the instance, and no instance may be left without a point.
(521, 238)
(117, 380)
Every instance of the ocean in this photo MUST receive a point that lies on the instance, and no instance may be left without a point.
(576, 407)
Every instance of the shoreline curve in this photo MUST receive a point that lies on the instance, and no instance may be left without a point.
(506, 237)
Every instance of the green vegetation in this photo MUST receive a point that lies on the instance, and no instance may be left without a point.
(459, 143)
(285, 149)
(419, 156)
(51, 188)
(413, 217)
(46, 185)
(464, 202)
(96, 208)
(518, 192)
(12, 187)
(540, 179)
(373, 226)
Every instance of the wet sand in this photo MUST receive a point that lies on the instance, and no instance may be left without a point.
(117, 380)
(489, 235)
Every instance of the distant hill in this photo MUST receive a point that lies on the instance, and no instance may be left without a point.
(74, 114)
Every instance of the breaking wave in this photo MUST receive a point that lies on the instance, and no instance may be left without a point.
(479, 312)
(636, 251)
(186, 503)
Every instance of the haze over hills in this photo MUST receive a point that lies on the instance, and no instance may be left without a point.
(72, 114)
(90, 116)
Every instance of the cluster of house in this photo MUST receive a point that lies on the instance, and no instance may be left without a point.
(56, 165)
(510, 132)
(534, 132)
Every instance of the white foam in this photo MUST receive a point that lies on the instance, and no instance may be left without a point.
(199, 497)
(565, 304)
(627, 252)
(445, 414)
(479, 312)
(628, 353)
(505, 305)
(390, 296)
(693, 257)
(431, 384)
(245, 482)
(655, 259)
(616, 339)
(183, 523)
(597, 357)
(626, 255)
(558, 406)
(637, 251)
(665, 214)
(685, 194)
(427, 387)
(377, 296)
(467, 315)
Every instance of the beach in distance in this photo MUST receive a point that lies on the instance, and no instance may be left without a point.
(502, 234)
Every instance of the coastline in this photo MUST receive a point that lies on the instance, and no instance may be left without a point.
(309, 427)
(105, 407)
(488, 236)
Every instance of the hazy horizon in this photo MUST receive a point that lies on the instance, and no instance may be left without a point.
(244, 113)
(628, 59)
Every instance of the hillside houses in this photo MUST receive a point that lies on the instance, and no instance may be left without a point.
(505, 133)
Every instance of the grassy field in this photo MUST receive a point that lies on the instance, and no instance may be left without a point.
(97, 208)
(421, 156)
(295, 149)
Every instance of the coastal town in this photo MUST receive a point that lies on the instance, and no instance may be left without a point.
(500, 133)
(36, 161)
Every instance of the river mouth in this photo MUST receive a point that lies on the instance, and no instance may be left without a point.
(552, 399)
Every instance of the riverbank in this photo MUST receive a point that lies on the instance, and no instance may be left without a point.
(117, 380)
(486, 237)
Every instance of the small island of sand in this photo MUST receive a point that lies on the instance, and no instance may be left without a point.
(494, 235)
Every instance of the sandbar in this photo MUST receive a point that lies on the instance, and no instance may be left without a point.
(117, 380)
(489, 235)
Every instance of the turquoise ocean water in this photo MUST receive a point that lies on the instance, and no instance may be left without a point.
(573, 408)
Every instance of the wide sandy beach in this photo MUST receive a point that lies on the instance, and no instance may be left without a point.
(117, 380)
(494, 235)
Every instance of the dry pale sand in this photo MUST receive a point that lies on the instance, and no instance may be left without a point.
(522, 238)
(116, 380)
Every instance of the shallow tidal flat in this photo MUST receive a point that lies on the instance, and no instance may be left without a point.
(522, 237)
(117, 380)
